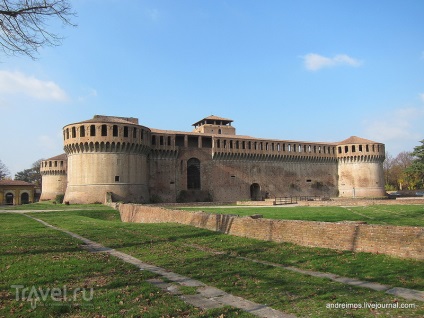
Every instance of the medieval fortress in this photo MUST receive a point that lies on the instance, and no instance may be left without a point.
(117, 157)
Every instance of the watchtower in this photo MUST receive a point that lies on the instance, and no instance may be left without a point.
(54, 175)
(360, 168)
(214, 125)
(107, 154)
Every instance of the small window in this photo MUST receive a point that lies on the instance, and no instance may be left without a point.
(104, 130)
(125, 131)
(134, 132)
(82, 131)
(116, 178)
(92, 130)
(115, 131)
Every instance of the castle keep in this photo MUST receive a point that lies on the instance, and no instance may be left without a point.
(119, 157)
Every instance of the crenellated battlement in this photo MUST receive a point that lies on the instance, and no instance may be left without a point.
(358, 149)
(106, 134)
(112, 147)
(55, 165)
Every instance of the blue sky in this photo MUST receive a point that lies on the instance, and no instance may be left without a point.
(298, 70)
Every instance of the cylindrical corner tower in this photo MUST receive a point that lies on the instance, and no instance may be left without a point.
(107, 155)
(360, 168)
(53, 173)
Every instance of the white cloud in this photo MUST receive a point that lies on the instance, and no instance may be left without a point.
(399, 129)
(51, 142)
(91, 92)
(19, 83)
(315, 62)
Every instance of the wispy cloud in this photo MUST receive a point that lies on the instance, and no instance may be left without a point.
(315, 62)
(89, 93)
(19, 83)
(400, 128)
(50, 142)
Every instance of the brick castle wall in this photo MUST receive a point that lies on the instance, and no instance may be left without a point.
(399, 241)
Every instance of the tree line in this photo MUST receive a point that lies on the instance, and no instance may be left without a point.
(406, 170)
(31, 175)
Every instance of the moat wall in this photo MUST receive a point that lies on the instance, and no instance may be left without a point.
(399, 241)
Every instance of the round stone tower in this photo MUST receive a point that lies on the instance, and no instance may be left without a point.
(53, 173)
(360, 168)
(107, 155)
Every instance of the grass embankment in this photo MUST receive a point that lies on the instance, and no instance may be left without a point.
(212, 258)
(402, 215)
(72, 282)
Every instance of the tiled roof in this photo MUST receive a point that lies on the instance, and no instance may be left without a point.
(356, 140)
(63, 156)
(112, 119)
(242, 137)
(212, 117)
(15, 183)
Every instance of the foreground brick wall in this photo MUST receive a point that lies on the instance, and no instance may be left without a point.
(400, 241)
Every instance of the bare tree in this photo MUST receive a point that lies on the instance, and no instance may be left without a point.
(24, 28)
(31, 175)
(4, 172)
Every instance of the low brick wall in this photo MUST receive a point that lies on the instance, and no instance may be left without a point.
(399, 241)
(363, 202)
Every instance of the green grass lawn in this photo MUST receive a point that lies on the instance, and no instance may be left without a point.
(408, 215)
(211, 257)
(50, 205)
(72, 282)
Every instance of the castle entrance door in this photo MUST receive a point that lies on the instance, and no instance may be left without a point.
(255, 192)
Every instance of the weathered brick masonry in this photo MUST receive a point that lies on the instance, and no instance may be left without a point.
(399, 241)
(138, 164)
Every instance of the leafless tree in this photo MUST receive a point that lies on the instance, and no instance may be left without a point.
(4, 172)
(24, 24)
